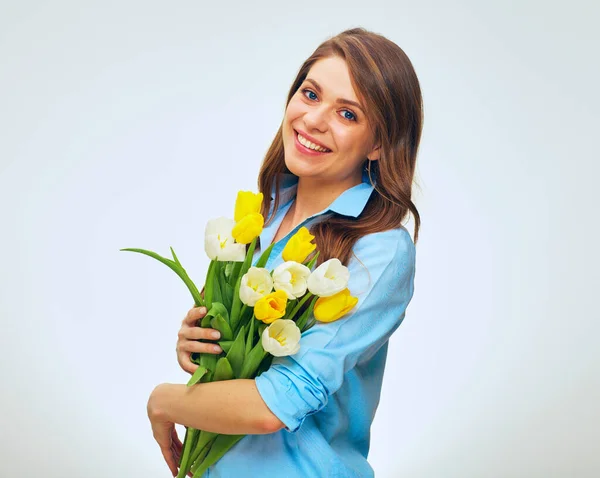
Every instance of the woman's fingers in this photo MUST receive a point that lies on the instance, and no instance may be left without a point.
(199, 347)
(198, 333)
(193, 315)
(176, 455)
(170, 459)
(175, 438)
(185, 363)
(188, 339)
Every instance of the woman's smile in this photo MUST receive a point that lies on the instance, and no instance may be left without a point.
(307, 147)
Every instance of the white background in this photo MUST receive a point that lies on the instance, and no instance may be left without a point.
(127, 124)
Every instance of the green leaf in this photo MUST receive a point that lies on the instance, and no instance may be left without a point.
(226, 296)
(312, 262)
(235, 273)
(289, 306)
(253, 360)
(209, 361)
(225, 345)
(178, 269)
(305, 297)
(197, 375)
(221, 445)
(217, 295)
(223, 370)
(218, 309)
(228, 269)
(205, 321)
(301, 322)
(208, 285)
(237, 303)
(189, 444)
(236, 353)
(201, 449)
(310, 324)
(264, 257)
(250, 339)
(229, 294)
(220, 324)
(175, 257)
(265, 364)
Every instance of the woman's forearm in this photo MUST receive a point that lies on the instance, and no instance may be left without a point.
(232, 407)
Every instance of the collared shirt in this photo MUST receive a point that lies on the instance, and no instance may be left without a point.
(327, 393)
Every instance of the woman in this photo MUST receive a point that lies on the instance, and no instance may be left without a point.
(342, 165)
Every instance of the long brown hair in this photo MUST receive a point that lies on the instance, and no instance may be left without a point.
(385, 81)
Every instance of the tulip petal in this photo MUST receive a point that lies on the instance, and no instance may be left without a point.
(281, 338)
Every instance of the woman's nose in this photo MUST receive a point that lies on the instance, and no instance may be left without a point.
(316, 118)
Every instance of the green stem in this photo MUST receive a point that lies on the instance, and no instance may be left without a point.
(209, 284)
(202, 447)
(190, 435)
(297, 308)
(222, 444)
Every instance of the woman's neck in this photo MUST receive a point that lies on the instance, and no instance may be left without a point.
(313, 195)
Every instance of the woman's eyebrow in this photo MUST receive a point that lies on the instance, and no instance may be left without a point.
(339, 100)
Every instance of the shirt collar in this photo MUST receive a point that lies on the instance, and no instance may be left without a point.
(350, 203)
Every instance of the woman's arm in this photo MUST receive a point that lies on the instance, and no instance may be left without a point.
(232, 407)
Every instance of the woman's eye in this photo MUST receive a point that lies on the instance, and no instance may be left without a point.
(352, 115)
(311, 92)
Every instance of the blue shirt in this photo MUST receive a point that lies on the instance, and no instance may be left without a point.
(327, 393)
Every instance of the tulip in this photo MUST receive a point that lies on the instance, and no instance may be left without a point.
(255, 284)
(247, 228)
(299, 246)
(219, 243)
(271, 307)
(247, 203)
(281, 338)
(328, 309)
(291, 277)
(329, 278)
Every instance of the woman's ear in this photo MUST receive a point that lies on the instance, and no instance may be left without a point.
(374, 154)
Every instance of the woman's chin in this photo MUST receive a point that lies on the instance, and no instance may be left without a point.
(301, 168)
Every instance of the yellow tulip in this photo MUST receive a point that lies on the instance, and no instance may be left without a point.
(247, 203)
(271, 307)
(299, 246)
(249, 227)
(328, 309)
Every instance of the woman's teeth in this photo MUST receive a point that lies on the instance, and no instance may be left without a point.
(304, 142)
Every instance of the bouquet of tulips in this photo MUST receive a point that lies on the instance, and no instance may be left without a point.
(259, 313)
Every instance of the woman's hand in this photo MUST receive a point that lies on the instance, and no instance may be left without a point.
(165, 433)
(188, 336)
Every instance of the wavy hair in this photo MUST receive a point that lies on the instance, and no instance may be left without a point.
(386, 83)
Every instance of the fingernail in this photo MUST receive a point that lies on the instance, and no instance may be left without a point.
(203, 310)
(216, 335)
(217, 348)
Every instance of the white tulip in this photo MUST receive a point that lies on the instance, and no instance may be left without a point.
(219, 244)
(291, 277)
(255, 284)
(329, 278)
(281, 338)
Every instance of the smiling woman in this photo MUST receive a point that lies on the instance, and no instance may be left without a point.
(341, 165)
(320, 124)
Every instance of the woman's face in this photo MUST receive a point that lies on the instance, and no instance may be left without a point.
(319, 113)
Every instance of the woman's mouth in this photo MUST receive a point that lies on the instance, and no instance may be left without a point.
(306, 147)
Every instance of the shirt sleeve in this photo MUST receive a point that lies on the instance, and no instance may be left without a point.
(299, 385)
